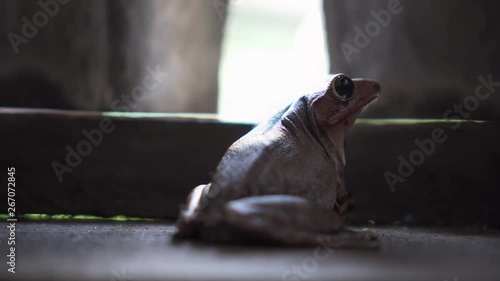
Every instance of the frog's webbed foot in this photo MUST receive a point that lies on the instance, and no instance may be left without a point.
(293, 220)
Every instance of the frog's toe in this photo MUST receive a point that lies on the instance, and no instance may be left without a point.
(186, 223)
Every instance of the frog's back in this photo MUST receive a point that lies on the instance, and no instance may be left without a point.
(270, 159)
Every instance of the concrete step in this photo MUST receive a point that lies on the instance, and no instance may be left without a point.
(145, 164)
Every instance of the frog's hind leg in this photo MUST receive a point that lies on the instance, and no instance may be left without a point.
(292, 220)
(190, 222)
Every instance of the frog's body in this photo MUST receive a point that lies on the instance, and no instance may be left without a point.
(284, 180)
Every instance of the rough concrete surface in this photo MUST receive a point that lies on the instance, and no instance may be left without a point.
(146, 251)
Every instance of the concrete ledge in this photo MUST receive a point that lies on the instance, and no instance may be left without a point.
(147, 165)
(458, 183)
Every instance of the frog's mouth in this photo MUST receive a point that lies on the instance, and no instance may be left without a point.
(347, 118)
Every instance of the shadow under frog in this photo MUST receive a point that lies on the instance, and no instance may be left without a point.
(283, 182)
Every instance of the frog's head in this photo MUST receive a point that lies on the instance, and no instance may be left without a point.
(344, 99)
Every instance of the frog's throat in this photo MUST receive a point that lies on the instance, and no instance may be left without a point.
(332, 141)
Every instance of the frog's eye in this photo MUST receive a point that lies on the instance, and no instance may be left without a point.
(343, 87)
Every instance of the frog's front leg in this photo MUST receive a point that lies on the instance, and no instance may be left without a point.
(293, 220)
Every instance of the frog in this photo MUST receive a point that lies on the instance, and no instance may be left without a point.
(284, 182)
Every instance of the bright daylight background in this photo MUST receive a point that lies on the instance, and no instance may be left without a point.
(273, 52)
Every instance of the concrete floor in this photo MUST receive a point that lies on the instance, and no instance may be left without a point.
(145, 251)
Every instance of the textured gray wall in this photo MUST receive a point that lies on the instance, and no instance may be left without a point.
(428, 56)
(87, 53)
